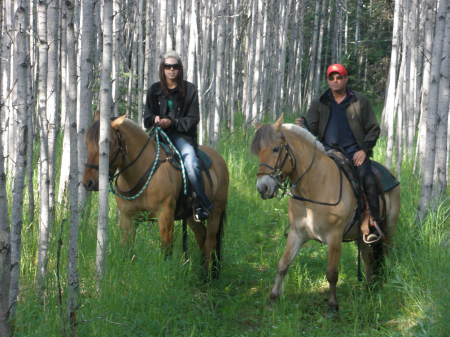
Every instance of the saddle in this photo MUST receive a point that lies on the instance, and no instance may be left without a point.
(385, 180)
(187, 203)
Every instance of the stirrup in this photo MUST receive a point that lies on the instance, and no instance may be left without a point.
(372, 238)
(200, 214)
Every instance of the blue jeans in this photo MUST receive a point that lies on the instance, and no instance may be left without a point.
(192, 164)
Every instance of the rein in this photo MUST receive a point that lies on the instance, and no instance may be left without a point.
(157, 132)
(277, 172)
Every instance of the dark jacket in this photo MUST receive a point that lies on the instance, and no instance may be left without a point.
(185, 115)
(360, 115)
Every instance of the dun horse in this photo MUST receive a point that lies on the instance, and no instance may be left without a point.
(156, 187)
(327, 206)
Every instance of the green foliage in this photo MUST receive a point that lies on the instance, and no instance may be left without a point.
(153, 296)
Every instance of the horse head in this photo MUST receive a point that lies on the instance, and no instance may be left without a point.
(116, 152)
(276, 161)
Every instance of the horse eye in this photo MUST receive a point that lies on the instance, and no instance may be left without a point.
(276, 149)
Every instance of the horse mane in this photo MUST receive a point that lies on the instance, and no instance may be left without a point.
(305, 134)
(93, 133)
(266, 135)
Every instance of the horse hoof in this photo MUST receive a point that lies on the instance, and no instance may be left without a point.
(273, 297)
(333, 311)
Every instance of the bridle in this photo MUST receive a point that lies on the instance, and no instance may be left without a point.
(121, 149)
(277, 174)
(277, 170)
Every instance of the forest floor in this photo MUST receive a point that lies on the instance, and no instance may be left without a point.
(154, 296)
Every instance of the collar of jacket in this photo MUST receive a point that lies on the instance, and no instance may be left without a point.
(160, 92)
(326, 96)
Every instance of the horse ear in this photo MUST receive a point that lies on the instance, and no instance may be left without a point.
(118, 121)
(96, 115)
(278, 123)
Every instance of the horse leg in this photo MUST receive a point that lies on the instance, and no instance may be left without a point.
(166, 220)
(334, 255)
(128, 229)
(213, 242)
(199, 232)
(294, 242)
(368, 259)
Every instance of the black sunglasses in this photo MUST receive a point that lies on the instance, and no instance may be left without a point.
(336, 77)
(175, 66)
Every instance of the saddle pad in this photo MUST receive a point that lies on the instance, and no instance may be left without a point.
(385, 177)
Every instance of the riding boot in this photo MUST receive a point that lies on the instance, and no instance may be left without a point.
(371, 190)
(205, 205)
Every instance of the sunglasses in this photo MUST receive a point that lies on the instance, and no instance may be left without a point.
(335, 77)
(175, 66)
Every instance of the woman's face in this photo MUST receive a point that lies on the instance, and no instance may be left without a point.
(171, 68)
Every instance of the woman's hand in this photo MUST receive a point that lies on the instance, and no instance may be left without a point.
(359, 157)
(165, 123)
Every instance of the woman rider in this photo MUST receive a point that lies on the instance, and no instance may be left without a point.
(172, 103)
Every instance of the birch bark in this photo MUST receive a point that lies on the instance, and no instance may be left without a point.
(22, 67)
(104, 142)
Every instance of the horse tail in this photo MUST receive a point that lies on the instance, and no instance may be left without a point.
(184, 238)
(219, 236)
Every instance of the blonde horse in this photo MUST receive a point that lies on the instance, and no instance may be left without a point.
(154, 185)
(324, 205)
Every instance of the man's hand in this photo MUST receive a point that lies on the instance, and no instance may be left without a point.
(359, 157)
(300, 122)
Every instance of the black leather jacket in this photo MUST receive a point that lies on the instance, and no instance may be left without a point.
(185, 115)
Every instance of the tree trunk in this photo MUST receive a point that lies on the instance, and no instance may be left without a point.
(73, 283)
(5, 244)
(84, 113)
(44, 182)
(22, 67)
(104, 141)
(428, 162)
(440, 168)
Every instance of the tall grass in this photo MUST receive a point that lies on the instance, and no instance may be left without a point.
(154, 296)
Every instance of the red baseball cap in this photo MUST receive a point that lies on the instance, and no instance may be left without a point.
(337, 68)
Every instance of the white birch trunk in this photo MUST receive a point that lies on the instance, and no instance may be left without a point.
(22, 67)
(5, 243)
(440, 168)
(429, 9)
(72, 274)
(105, 112)
(52, 98)
(84, 113)
(256, 85)
(163, 27)
(428, 162)
(219, 78)
(140, 63)
(44, 181)
(312, 64)
(388, 111)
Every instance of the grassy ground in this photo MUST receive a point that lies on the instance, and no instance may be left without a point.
(151, 296)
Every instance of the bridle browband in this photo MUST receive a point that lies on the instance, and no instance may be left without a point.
(277, 174)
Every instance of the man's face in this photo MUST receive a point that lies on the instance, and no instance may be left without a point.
(337, 82)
